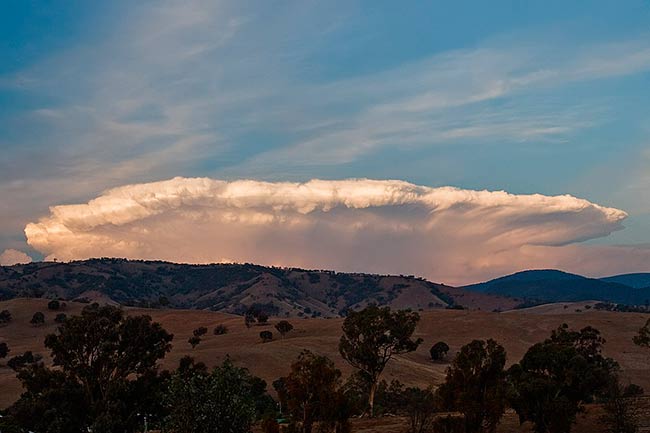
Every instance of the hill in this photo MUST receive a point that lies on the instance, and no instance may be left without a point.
(637, 281)
(558, 286)
(231, 288)
(516, 330)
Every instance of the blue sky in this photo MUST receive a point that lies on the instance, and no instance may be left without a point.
(547, 97)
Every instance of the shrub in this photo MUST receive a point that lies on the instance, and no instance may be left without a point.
(37, 319)
(4, 350)
(194, 341)
(5, 317)
(53, 305)
(200, 331)
(60, 318)
(266, 336)
(220, 330)
(283, 327)
(439, 351)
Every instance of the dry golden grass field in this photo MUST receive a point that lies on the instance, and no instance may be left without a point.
(516, 330)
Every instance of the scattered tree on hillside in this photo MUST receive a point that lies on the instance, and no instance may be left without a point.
(283, 327)
(53, 305)
(202, 402)
(372, 336)
(262, 318)
(60, 318)
(220, 330)
(439, 351)
(4, 350)
(249, 320)
(5, 317)
(476, 385)
(200, 331)
(266, 336)
(642, 338)
(556, 377)
(312, 393)
(37, 319)
(19, 362)
(194, 341)
(105, 373)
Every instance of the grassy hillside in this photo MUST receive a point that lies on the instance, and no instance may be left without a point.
(516, 330)
(229, 288)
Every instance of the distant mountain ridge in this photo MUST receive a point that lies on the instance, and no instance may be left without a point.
(550, 285)
(637, 280)
(230, 288)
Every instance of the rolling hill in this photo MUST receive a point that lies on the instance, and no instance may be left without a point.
(557, 286)
(231, 288)
(637, 281)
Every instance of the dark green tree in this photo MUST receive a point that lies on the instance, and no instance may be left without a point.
(37, 319)
(312, 393)
(105, 362)
(220, 401)
(5, 317)
(372, 336)
(557, 376)
(476, 385)
(194, 341)
(53, 305)
(220, 330)
(200, 331)
(4, 350)
(283, 327)
(439, 350)
(619, 416)
(266, 336)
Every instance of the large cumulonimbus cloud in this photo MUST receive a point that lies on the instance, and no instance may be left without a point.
(387, 226)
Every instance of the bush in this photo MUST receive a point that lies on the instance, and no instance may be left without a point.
(420, 408)
(4, 350)
(5, 317)
(439, 351)
(37, 319)
(60, 318)
(53, 305)
(283, 327)
(200, 331)
(266, 336)
(194, 341)
(220, 330)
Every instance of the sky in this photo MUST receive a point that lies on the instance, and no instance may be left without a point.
(453, 140)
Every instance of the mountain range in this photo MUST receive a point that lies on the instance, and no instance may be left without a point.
(293, 292)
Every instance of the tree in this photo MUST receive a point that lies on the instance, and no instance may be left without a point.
(200, 331)
(19, 362)
(475, 385)
(312, 393)
(60, 318)
(283, 327)
(372, 336)
(557, 376)
(4, 350)
(53, 305)
(439, 350)
(220, 330)
(37, 319)
(619, 416)
(194, 341)
(266, 336)
(249, 320)
(5, 317)
(202, 402)
(262, 318)
(105, 370)
(420, 409)
(642, 338)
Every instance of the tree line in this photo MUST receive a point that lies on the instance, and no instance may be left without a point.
(105, 378)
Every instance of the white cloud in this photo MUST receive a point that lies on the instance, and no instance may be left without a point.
(13, 257)
(385, 226)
